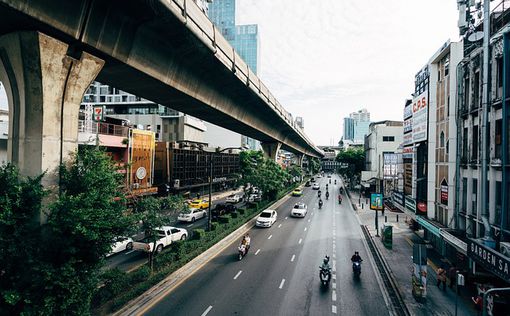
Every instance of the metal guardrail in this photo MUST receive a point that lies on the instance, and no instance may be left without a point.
(102, 128)
(192, 16)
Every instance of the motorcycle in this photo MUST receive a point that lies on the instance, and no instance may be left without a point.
(242, 251)
(335, 181)
(339, 199)
(319, 194)
(341, 190)
(356, 268)
(324, 275)
(320, 204)
(329, 181)
(327, 195)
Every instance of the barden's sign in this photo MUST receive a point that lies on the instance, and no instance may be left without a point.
(490, 259)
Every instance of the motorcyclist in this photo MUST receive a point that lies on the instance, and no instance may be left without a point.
(327, 195)
(339, 198)
(335, 181)
(325, 263)
(319, 193)
(247, 241)
(320, 203)
(356, 257)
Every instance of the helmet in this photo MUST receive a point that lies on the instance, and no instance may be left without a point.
(325, 260)
(356, 253)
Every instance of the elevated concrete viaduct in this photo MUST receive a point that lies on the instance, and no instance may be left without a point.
(166, 51)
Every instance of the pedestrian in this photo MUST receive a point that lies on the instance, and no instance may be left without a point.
(453, 275)
(441, 277)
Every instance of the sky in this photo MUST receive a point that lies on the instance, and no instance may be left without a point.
(323, 59)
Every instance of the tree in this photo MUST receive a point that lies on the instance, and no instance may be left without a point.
(20, 206)
(314, 165)
(82, 225)
(355, 159)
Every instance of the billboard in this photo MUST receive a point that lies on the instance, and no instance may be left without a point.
(142, 145)
(376, 201)
(420, 117)
(390, 162)
(408, 125)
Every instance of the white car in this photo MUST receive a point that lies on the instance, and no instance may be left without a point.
(166, 235)
(266, 218)
(121, 244)
(316, 186)
(234, 198)
(191, 215)
(299, 210)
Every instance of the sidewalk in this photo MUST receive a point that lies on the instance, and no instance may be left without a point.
(438, 302)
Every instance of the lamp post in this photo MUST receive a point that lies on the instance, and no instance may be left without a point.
(211, 165)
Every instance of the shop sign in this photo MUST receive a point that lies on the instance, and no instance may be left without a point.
(490, 259)
(407, 152)
(444, 192)
(408, 138)
(421, 207)
(420, 117)
(98, 113)
(408, 112)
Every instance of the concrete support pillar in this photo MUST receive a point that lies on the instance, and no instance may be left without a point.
(300, 158)
(271, 149)
(45, 87)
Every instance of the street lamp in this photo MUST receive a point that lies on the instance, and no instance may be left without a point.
(211, 165)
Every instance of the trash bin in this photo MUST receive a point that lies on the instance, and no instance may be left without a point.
(387, 235)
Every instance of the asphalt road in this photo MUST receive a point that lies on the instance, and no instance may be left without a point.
(280, 275)
(128, 260)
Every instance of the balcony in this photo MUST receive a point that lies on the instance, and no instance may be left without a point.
(110, 135)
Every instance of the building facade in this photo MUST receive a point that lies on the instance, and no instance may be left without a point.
(356, 126)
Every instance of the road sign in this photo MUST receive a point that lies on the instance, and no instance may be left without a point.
(98, 113)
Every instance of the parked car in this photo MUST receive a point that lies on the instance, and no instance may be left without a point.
(234, 198)
(191, 215)
(199, 203)
(312, 179)
(266, 218)
(255, 198)
(299, 210)
(297, 192)
(308, 183)
(121, 244)
(166, 236)
(316, 186)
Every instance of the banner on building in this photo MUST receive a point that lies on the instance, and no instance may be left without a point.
(390, 161)
(444, 192)
(141, 160)
(490, 259)
(407, 152)
(420, 117)
(408, 111)
(408, 126)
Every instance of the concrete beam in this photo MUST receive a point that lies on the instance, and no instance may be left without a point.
(270, 150)
(44, 88)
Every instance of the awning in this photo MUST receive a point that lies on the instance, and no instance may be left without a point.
(454, 241)
(426, 224)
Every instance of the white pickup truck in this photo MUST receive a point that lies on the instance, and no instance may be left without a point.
(166, 235)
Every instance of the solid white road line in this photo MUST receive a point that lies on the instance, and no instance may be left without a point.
(300, 240)
(334, 285)
(270, 236)
(334, 276)
(257, 252)
(292, 259)
(238, 274)
(207, 310)
(282, 283)
(128, 252)
(279, 225)
(333, 309)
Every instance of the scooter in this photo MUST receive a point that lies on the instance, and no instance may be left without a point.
(324, 275)
(356, 268)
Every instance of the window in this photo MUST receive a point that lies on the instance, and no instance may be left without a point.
(474, 196)
(476, 90)
(474, 143)
(465, 144)
(464, 194)
(447, 147)
(466, 93)
(441, 139)
(499, 63)
(498, 139)
(388, 138)
(499, 201)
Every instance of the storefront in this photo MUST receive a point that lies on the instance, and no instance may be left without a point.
(488, 260)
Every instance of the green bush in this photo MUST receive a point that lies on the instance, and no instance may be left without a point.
(214, 225)
(224, 219)
(198, 234)
(241, 211)
(234, 215)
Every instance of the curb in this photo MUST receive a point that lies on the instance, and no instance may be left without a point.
(152, 296)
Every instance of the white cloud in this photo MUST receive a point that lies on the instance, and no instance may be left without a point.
(323, 59)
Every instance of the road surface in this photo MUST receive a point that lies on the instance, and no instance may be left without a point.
(280, 275)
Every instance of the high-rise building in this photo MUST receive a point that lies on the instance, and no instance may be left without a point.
(300, 122)
(356, 126)
(245, 40)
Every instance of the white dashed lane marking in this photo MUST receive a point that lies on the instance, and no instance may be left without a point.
(257, 252)
(270, 236)
(300, 240)
(207, 311)
(292, 259)
(238, 274)
(279, 225)
(282, 283)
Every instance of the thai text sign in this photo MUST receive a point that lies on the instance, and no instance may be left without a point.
(489, 259)
(420, 117)
(141, 158)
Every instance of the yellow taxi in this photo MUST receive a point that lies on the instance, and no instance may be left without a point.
(200, 204)
(297, 192)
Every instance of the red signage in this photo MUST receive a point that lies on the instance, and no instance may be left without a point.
(444, 192)
(422, 207)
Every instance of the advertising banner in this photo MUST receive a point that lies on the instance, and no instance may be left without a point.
(407, 152)
(419, 279)
(408, 125)
(420, 117)
(444, 192)
(390, 165)
(408, 112)
(141, 159)
(490, 259)
(376, 201)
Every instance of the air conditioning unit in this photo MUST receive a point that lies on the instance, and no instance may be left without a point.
(504, 248)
